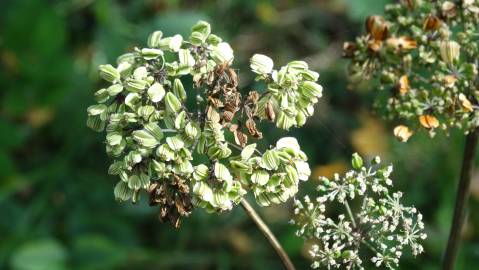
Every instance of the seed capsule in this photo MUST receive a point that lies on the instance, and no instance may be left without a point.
(377, 27)
(432, 23)
(428, 121)
(403, 133)
(450, 51)
(404, 86)
(465, 103)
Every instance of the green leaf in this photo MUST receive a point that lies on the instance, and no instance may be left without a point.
(40, 255)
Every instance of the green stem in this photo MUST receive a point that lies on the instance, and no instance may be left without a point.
(462, 199)
(268, 234)
(350, 213)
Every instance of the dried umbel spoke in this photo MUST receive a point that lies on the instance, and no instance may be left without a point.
(373, 228)
(153, 136)
(424, 54)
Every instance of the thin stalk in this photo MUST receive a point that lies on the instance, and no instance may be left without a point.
(462, 198)
(268, 234)
(350, 213)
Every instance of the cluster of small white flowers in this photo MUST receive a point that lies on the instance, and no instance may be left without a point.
(377, 225)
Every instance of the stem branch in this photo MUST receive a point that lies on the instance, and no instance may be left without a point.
(462, 197)
(268, 234)
(350, 213)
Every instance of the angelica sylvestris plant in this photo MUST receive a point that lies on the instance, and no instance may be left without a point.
(181, 155)
(376, 232)
(423, 55)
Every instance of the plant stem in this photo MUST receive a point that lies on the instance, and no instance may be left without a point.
(268, 234)
(350, 213)
(462, 197)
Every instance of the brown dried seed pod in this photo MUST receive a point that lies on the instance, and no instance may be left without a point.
(403, 133)
(402, 43)
(349, 48)
(228, 116)
(403, 85)
(240, 138)
(432, 23)
(449, 9)
(465, 103)
(172, 195)
(253, 131)
(270, 111)
(377, 27)
(428, 121)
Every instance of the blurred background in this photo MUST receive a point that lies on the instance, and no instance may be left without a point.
(57, 209)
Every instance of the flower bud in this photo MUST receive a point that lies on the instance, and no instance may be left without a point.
(357, 161)
(261, 64)
(109, 73)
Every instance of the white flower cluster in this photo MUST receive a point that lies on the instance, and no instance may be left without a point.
(377, 225)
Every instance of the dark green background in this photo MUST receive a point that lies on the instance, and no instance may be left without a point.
(57, 209)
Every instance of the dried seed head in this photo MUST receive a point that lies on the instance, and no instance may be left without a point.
(428, 121)
(270, 111)
(450, 80)
(349, 48)
(465, 103)
(449, 9)
(253, 131)
(432, 23)
(450, 51)
(403, 133)
(401, 43)
(403, 85)
(377, 27)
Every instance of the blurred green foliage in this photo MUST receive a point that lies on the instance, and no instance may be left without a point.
(56, 200)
